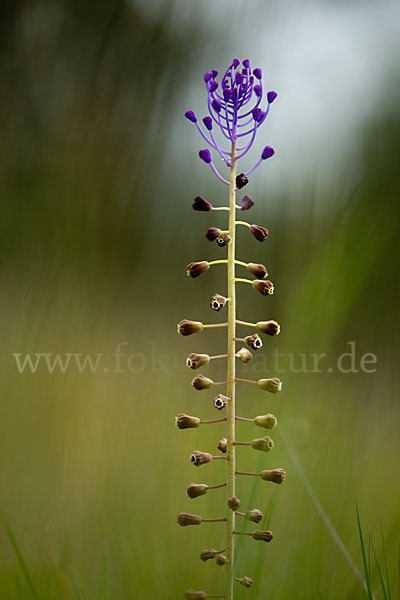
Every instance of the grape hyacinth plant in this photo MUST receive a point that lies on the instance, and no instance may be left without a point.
(237, 109)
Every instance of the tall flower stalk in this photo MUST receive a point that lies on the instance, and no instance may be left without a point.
(237, 109)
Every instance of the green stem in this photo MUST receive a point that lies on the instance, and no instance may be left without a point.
(242, 223)
(213, 421)
(218, 356)
(245, 322)
(244, 280)
(240, 262)
(246, 380)
(244, 419)
(220, 208)
(214, 520)
(214, 325)
(230, 524)
(214, 487)
(222, 261)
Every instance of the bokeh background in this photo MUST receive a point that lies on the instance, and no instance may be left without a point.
(98, 169)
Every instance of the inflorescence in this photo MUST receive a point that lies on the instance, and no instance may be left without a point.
(237, 108)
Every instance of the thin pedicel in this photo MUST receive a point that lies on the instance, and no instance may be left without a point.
(237, 108)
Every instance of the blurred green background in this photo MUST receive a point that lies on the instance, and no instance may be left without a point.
(98, 169)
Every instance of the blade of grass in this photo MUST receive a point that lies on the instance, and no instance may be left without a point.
(364, 556)
(21, 559)
(378, 566)
(386, 566)
(318, 507)
(18, 586)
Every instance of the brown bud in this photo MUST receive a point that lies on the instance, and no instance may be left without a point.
(264, 536)
(268, 327)
(267, 421)
(241, 181)
(223, 445)
(212, 233)
(200, 458)
(195, 361)
(187, 327)
(221, 560)
(183, 421)
(208, 554)
(192, 595)
(220, 401)
(194, 269)
(265, 444)
(194, 490)
(266, 288)
(244, 355)
(254, 515)
(184, 519)
(253, 341)
(223, 239)
(217, 302)
(275, 475)
(234, 503)
(246, 582)
(200, 382)
(257, 270)
(272, 385)
(246, 203)
(260, 233)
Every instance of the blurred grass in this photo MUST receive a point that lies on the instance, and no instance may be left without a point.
(93, 470)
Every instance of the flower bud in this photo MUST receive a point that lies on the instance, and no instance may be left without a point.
(260, 233)
(246, 203)
(201, 204)
(246, 582)
(254, 515)
(216, 106)
(184, 519)
(244, 355)
(194, 269)
(258, 270)
(271, 96)
(208, 554)
(257, 114)
(221, 560)
(200, 458)
(183, 421)
(234, 503)
(258, 90)
(272, 385)
(265, 444)
(253, 341)
(205, 155)
(264, 536)
(223, 445)
(257, 73)
(268, 327)
(200, 382)
(189, 114)
(194, 490)
(192, 595)
(241, 181)
(223, 239)
(217, 302)
(208, 124)
(212, 233)
(267, 421)
(195, 361)
(187, 327)
(220, 401)
(266, 288)
(267, 152)
(274, 475)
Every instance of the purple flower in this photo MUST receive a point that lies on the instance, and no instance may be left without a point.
(208, 124)
(267, 152)
(237, 109)
(205, 155)
(246, 203)
(189, 114)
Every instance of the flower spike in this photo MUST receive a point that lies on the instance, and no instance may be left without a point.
(237, 108)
